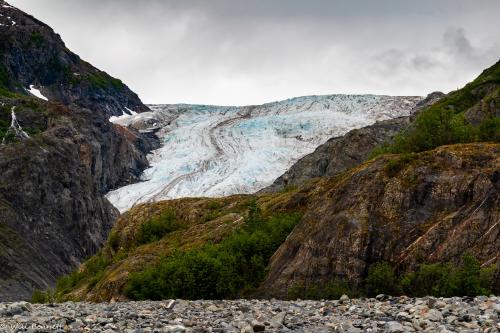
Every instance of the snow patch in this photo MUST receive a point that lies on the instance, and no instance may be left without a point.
(217, 150)
(123, 118)
(35, 92)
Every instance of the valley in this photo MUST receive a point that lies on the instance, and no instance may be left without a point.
(321, 213)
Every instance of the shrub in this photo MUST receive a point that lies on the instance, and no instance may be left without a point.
(337, 288)
(43, 297)
(94, 269)
(156, 228)
(381, 280)
(489, 129)
(232, 268)
(431, 279)
(444, 122)
(446, 280)
(114, 240)
(395, 165)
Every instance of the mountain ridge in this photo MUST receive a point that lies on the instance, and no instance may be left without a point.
(59, 154)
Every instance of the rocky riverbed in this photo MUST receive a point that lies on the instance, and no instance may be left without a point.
(383, 314)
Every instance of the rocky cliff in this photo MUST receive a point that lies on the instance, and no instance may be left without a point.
(432, 207)
(57, 157)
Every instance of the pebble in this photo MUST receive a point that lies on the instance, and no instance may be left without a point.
(381, 314)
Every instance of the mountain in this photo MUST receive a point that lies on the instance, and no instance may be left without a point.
(218, 150)
(430, 195)
(59, 154)
(33, 55)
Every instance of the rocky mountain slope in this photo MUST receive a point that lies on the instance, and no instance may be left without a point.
(431, 208)
(421, 206)
(217, 150)
(59, 154)
(33, 55)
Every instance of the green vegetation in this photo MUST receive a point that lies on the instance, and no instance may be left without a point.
(5, 83)
(232, 268)
(94, 269)
(43, 297)
(156, 228)
(398, 163)
(36, 39)
(446, 280)
(103, 81)
(439, 280)
(445, 122)
(381, 279)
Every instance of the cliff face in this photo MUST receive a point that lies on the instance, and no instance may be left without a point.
(57, 157)
(431, 208)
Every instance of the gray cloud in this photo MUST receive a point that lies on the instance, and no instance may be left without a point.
(246, 52)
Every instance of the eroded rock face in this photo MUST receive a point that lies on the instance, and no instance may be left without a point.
(59, 157)
(430, 209)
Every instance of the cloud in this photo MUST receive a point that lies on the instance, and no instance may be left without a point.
(249, 52)
(455, 61)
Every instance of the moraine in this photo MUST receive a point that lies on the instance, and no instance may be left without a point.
(384, 314)
(214, 151)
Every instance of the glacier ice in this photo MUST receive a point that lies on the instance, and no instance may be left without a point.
(221, 150)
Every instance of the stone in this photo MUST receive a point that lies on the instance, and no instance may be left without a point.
(174, 329)
(247, 329)
(213, 308)
(258, 326)
(434, 315)
(344, 298)
(393, 327)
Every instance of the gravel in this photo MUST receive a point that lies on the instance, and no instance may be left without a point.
(384, 314)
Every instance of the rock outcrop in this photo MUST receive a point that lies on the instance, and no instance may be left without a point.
(58, 157)
(431, 208)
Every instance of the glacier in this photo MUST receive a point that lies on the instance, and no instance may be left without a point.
(213, 151)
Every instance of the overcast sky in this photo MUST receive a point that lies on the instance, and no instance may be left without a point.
(237, 52)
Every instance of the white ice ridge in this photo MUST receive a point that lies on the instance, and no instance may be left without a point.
(35, 92)
(216, 151)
